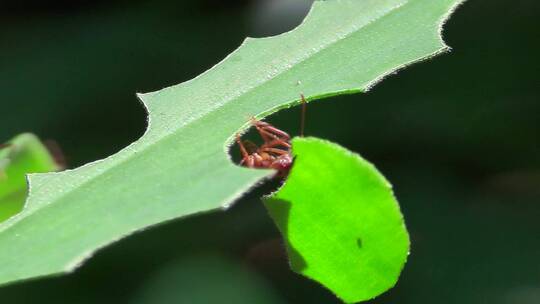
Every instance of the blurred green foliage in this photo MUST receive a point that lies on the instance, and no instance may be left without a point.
(24, 154)
(187, 280)
(457, 136)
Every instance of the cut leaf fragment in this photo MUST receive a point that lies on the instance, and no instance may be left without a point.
(342, 225)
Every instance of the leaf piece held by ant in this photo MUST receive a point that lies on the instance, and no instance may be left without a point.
(332, 199)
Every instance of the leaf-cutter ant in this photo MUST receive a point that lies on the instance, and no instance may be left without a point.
(275, 152)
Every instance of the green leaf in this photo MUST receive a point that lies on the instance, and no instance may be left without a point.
(342, 224)
(180, 166)
(25, 154)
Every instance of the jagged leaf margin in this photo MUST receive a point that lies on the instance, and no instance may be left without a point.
(180, 166)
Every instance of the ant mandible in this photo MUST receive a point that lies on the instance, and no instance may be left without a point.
(275, 152)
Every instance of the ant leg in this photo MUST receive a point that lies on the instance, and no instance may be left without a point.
(276, 143)
(283, 136)
(247, 159)
(269, 132)
(2, 146)
(273, 132)
(274, 150)
(264, 135)
(243, 150)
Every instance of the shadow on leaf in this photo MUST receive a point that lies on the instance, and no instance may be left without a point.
(279, 211)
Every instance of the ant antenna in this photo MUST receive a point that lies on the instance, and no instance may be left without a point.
(303, 117)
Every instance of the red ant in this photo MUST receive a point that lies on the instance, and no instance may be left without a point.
(275, 152)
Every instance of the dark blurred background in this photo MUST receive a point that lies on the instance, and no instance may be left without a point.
(458, 136)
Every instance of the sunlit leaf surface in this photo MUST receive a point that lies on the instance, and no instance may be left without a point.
(342, 224)
(180, 166)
